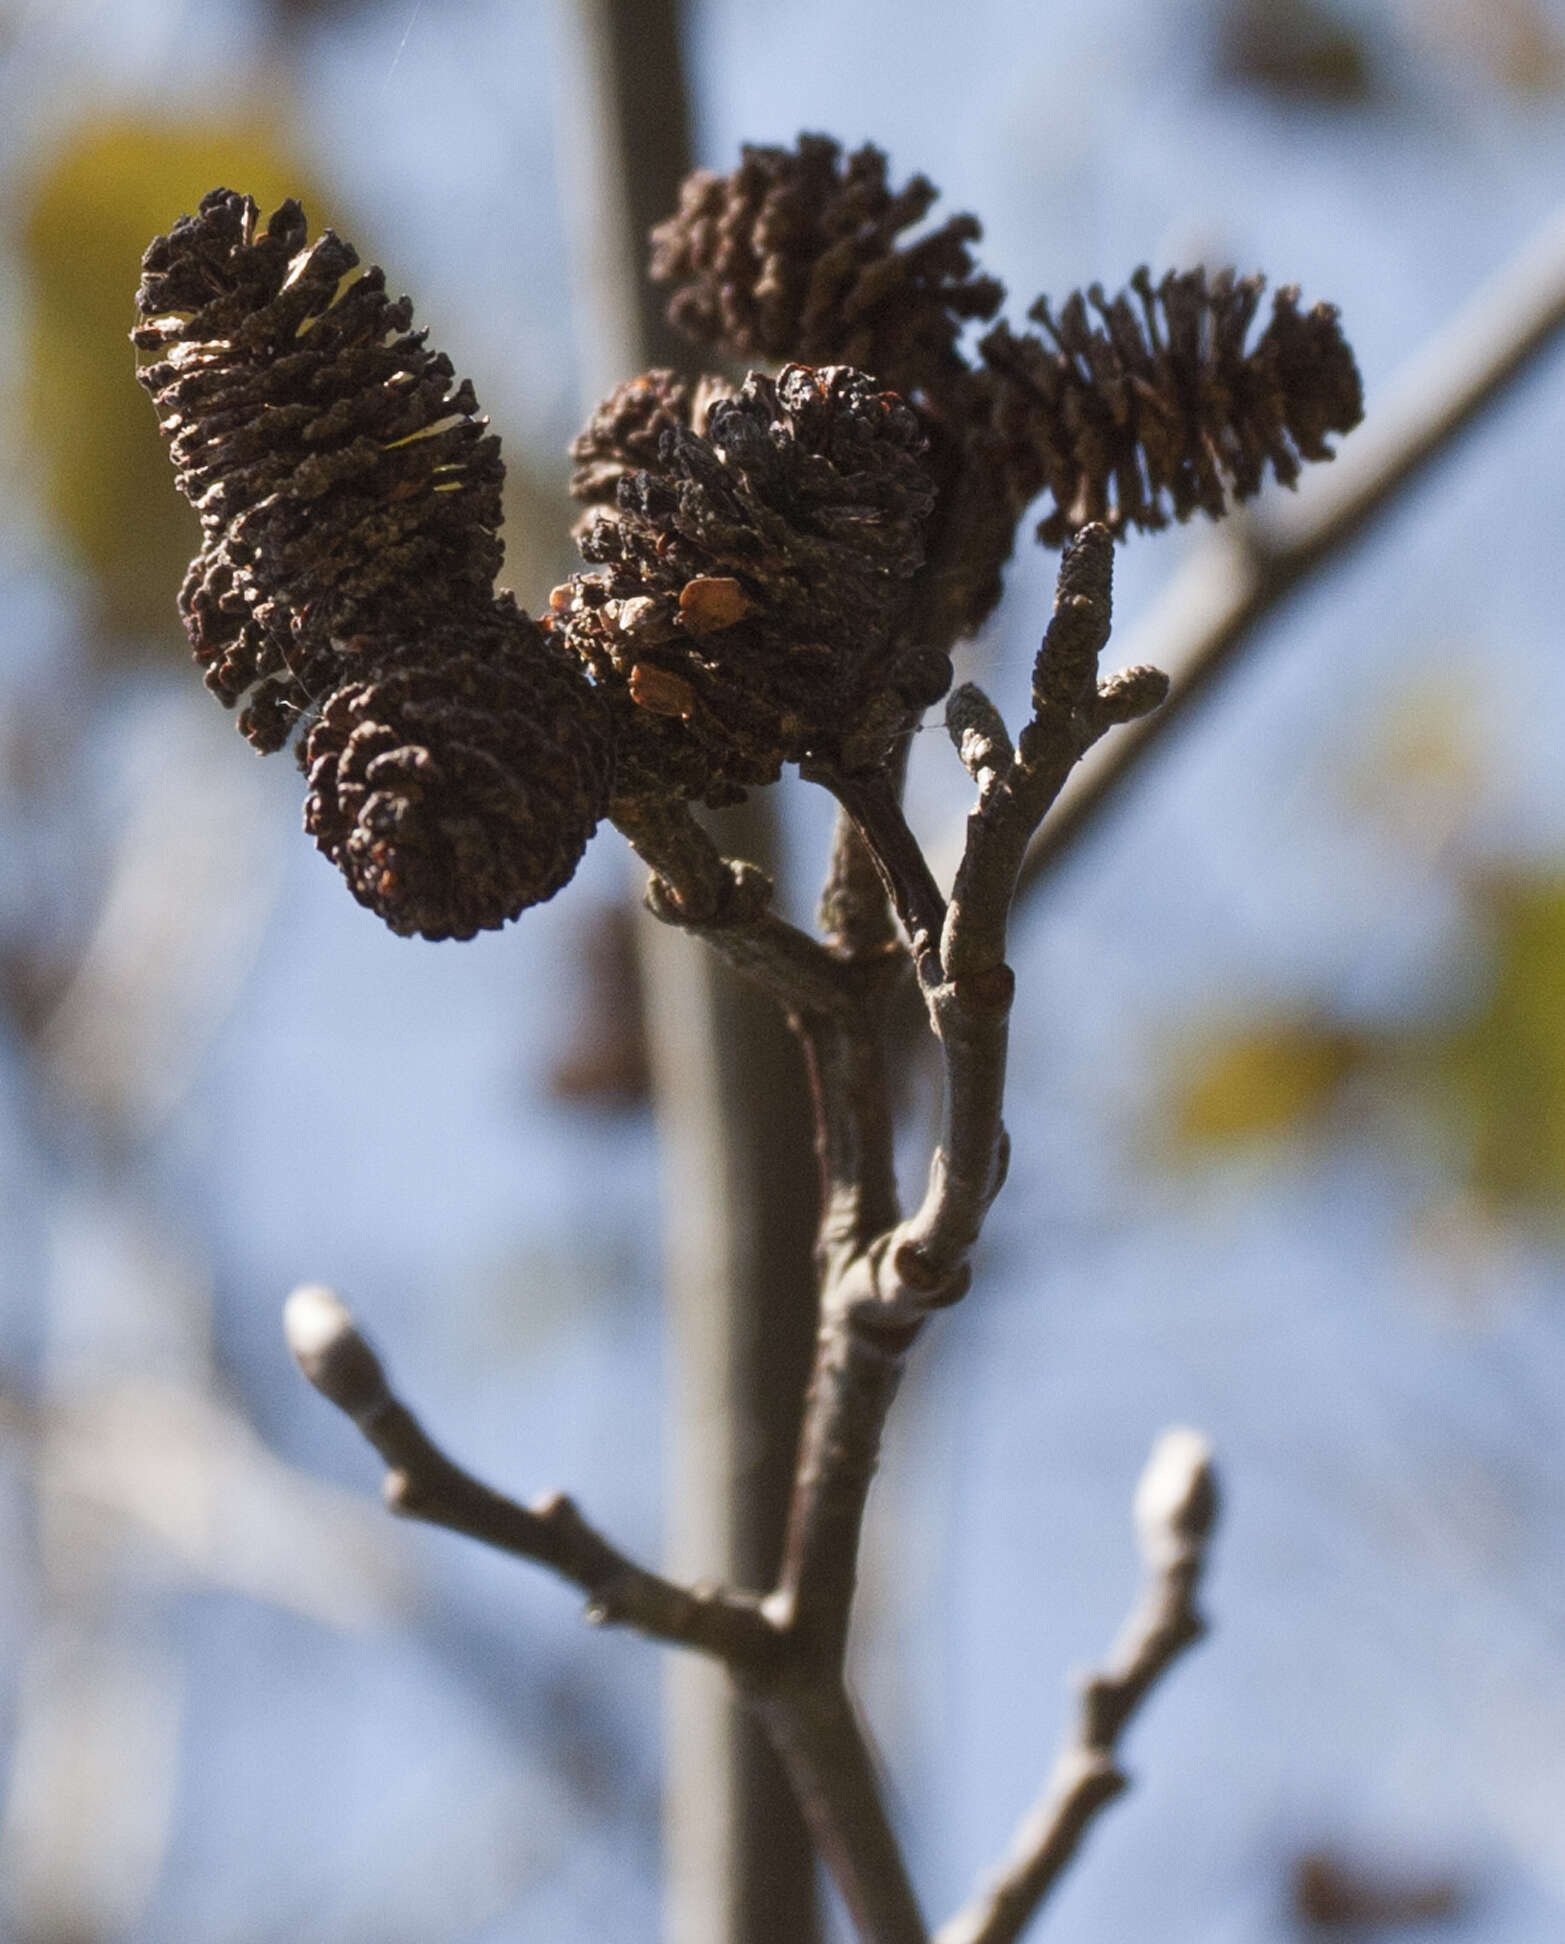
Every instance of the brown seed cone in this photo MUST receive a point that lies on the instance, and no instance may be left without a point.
(1157, 410)
(459, 779)
(749, 605)
(795, 254)
(624, 434)
(344, 479)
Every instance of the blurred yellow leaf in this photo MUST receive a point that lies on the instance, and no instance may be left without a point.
(1493, 1078)
(1499, 1074)
(1428, 763)
(1260, 1080)
(91, 211)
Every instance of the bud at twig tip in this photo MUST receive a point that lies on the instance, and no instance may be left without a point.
(1176, 1500)
(329, 1349)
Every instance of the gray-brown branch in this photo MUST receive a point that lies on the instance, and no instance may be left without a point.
(423, 1483)
(924, 1264)
(1176, 1506)
(880, 1277)
(728, 903)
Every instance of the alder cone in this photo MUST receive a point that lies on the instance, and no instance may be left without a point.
(459, 780)
(345, 482)
(1157, 410)
(349, 497)
(796, 254)
(749, 606)
(625, 433)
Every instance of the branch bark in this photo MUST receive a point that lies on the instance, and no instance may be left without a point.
(423, 1483)
(1176, 1504)
(880, 1277)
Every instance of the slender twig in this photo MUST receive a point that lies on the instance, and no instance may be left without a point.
(874, 805)
(857, 1371)
(1212, 610)
(1176, 1506)
(969, 987)
(698, 880)
(423, 1483)
(880, 1277)
(846, 1058)
(728, 903)
(924, 1264)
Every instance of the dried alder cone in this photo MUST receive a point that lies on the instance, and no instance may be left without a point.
(349, 497)
(446, 783)
(804, 253)
(776, 570)
(796, 254)
(1155, 410)
(625, 433)
(748, 605)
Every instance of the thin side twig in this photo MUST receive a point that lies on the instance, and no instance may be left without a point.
(423, 1483)
(874, 805)
(858, 1369)
(845, 1056)
(855, 912)
(1176, 1507)
(728, 903)
(969, 993)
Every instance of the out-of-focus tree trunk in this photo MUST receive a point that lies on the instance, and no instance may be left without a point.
(733, 1116)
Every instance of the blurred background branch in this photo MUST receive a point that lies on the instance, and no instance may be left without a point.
(734, 1123)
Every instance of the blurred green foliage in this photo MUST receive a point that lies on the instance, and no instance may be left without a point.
(104, 479)
(1487, 1081)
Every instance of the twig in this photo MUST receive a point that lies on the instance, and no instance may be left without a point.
(728, 903)
(815, 1731)
(872, 802)
(423, 1483)
(1176, 1506)
(855, 913)
(969, 999)
(879, 1287)
(858, 1368)
(1210, 613)
(800, 1699)
(880, 1278)
(846, 1058)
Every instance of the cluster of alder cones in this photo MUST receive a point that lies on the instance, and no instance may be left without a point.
(777, 569)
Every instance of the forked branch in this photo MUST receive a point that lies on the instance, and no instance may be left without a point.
(775, 573)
